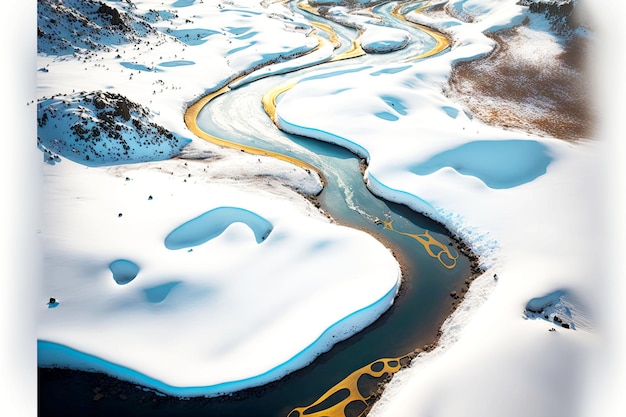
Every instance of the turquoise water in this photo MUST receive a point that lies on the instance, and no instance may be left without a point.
(213, 223)
(124, 271)
(498, 164)
(176, 63)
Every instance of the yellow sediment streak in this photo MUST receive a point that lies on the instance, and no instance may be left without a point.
(333, 38)
(336, 407)
(304, 5)
(426, 240)
(191, 116)
(441, 41)
(335, 401)
(269, 99)
(354, 51)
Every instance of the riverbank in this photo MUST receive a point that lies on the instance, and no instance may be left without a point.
(99, 394)
(106, 388)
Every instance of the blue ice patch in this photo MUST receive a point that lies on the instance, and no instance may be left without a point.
(160, 292)
(499, 163)
(385, 115)
(177, 63)
(213, 223)
(124, 271)
(138, 67)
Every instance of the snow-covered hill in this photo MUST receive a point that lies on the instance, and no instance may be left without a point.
(102, 128)
(84, 27)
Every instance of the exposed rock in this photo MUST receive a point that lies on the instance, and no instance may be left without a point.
(561, 13)
(93, 26)
(102, 128)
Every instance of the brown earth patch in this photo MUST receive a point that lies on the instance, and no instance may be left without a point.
(504, 89)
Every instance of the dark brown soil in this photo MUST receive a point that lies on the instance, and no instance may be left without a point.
(502, 89)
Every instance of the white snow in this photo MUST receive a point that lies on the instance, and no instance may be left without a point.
(547, 224)
(233, 307)
(227, 307)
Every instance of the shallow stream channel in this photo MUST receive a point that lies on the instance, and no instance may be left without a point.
(346, 380)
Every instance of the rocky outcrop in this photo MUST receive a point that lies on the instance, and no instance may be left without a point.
(66, 27)
(102, 128)
(561, 13)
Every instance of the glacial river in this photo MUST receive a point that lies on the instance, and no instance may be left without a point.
(340, 382)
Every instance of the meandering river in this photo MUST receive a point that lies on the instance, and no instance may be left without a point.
(343, 381)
